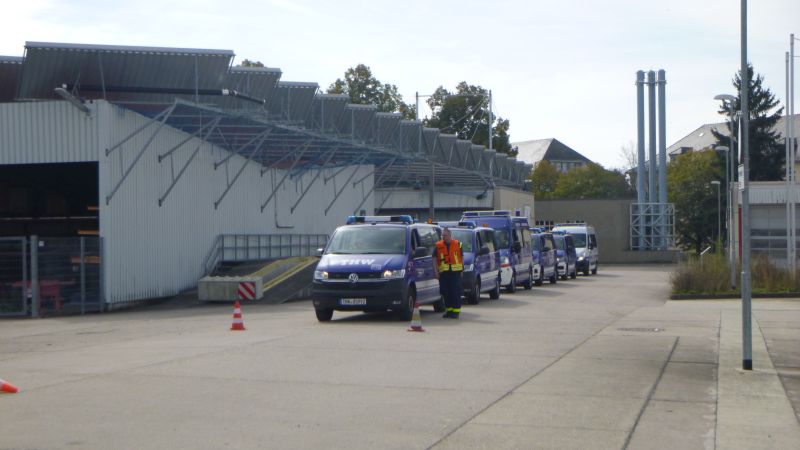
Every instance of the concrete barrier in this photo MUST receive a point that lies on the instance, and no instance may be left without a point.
(212, 288)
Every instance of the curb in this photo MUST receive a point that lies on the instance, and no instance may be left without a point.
(732, 296)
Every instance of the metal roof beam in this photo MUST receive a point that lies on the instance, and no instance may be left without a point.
(319, 172)
(139, 155)
(286, 175)
(337, 194)
(236, 177)
(152, 121)
(244, 146)
(183, 169)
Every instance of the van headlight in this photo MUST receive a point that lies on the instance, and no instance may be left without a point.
(320, 275)
(580, 258)
(399, 273)
(468, 267)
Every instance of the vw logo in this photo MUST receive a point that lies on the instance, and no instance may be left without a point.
(353, 277)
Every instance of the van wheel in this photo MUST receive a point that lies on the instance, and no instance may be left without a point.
(540, 280)
(438, 305)
(586, 271)
(574, 273)
(554, 278)
(324, 315)
(494, 294)
(475, 297)
(528, 284)
(594, 271)
(408, 307)
(512, 287)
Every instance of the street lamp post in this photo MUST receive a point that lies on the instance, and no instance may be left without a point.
(730, 99)
(719, 210)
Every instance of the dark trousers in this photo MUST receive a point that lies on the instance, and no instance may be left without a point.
(450, 288)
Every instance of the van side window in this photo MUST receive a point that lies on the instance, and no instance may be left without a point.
(414, 240)
(488, 240)
(526, 238)
(593, 240)
(428, 238)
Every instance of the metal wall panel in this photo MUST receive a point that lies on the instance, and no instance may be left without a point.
(154, 251)
(47, 132)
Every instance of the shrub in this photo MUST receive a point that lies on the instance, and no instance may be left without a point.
(711, 275)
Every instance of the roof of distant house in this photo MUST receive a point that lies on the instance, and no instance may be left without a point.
(702, 137)
(548, 149)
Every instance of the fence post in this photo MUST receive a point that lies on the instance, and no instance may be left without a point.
(24, 251)
(34, 285)
(83, 275)
(102, 274)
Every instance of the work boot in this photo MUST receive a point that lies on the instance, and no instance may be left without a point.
(454, 315)
(448, 315)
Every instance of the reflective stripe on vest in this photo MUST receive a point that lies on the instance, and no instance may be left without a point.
(450, 259)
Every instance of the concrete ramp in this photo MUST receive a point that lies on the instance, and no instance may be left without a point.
(271, 282)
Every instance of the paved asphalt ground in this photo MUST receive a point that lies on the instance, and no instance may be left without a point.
(599, 362)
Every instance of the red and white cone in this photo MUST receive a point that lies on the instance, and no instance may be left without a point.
(416, 320)
(238, 323)
(5, 386)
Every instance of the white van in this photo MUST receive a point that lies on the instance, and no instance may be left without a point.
(585, 245)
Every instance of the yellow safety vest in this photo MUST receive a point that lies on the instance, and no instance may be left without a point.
(451, 259)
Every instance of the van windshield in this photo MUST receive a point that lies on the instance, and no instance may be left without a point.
(502, 238)
(536, 243)
(368, 240)
(560, 243)
(579, 239)
(465, 237)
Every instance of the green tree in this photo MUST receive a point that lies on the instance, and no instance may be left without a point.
(767, 155)
(544, 180)
(465, 113)
(364, 88)
(592, 181)
(689, 186)
(248, 63)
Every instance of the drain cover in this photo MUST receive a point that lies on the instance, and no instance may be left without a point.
(644, 330)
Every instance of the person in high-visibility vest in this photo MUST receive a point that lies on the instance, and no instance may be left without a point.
(448, 264)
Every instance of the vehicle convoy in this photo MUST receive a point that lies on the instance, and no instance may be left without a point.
(566, 257)
(513, 237)
(544, 258)
(481, 260)
(377, 263)
(585, 245)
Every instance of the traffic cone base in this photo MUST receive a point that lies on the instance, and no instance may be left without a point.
(5, 386)
(238, 323)
(416, 320)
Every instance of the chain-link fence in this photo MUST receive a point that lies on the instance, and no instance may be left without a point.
(48, 276)
(13, 276)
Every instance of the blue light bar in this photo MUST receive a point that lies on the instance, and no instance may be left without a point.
(380, 219)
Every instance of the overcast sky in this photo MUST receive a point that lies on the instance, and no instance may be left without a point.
(557, 69)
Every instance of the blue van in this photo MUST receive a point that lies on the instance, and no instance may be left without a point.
(513, 237)
(377, 263)
(544, 258)
(481, 260)
(566, 256)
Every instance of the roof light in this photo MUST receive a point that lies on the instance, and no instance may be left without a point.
(380, 219)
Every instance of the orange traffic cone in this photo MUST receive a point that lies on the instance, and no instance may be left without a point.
(416, 320)
(5, 386)
(238, 324)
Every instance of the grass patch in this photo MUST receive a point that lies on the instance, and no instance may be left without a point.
(711, 275)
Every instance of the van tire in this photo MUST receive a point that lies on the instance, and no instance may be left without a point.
(494, 294)
(512, 286)
(324, 314)
(475, 297)
(540, 280)
(408, 308)
(529, 283)
(554, 278)
(586, 271)
(594, 271)
(574, 273)
(439, 305)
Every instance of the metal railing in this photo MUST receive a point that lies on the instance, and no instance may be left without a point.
(255, 247)
(652, 226)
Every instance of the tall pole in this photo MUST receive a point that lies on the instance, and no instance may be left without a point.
(792, 156)
(652, 169)
(662, 158)
(432, 184)
(747, 343)
(490, 119)
(719, 215)
(788, 172)
(640, 156)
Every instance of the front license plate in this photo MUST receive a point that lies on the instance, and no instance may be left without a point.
(353, 301)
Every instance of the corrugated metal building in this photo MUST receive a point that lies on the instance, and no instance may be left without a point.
(159, 151)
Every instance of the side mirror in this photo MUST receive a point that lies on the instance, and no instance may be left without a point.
(420, 252)
(483, 251)
(319, 251)
(517, 247)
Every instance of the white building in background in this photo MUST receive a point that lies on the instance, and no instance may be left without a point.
(159, 151)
